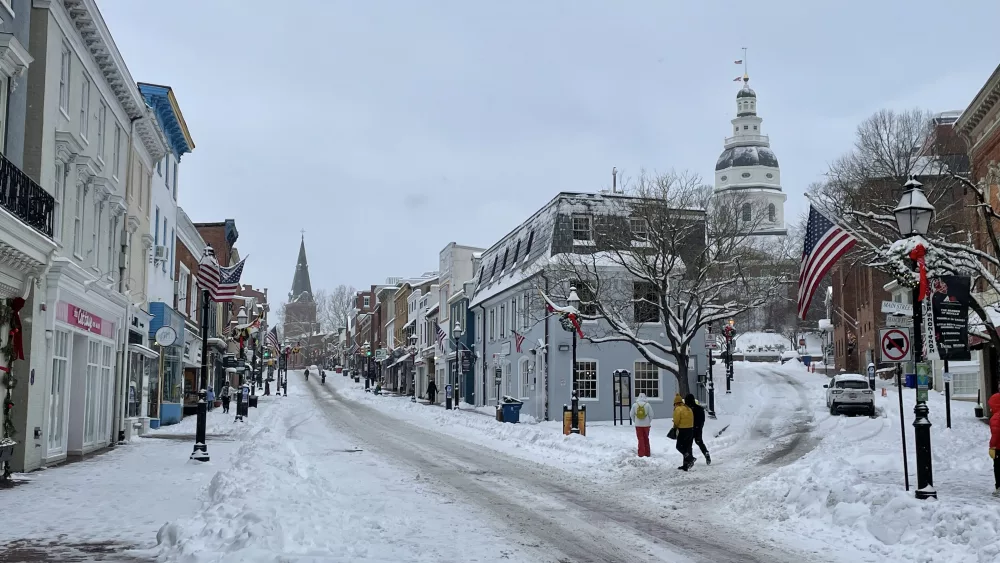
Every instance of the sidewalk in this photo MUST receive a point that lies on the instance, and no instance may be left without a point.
(117, 500)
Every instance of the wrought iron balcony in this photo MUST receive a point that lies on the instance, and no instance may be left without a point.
(25, 199)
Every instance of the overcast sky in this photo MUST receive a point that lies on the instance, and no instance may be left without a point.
(386, 129)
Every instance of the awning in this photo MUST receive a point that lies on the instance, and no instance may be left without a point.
(432, 310)
(218, 343)
(409, 323)
(401, 360)
(143, 351)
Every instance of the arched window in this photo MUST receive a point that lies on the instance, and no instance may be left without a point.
(771, 212)
(746, 212)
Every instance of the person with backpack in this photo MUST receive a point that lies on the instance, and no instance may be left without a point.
(432, 391)
(225, 394)
(642, 417)
(684, 429)
(699, 427)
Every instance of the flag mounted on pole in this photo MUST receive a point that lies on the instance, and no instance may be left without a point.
(825, 243)
(272, 339)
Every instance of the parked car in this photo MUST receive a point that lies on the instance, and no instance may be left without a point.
(850, 392)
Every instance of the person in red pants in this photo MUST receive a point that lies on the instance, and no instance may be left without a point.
(994, 403)
(642, 417)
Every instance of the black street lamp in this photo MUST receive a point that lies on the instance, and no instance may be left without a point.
(913, 217)
(573, 301)
(366, 348)
(711, 380)
(457, 332)
(728, 331)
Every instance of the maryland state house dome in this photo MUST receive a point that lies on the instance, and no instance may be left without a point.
(748, 168)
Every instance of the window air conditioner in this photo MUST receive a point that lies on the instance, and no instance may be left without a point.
(159, 253)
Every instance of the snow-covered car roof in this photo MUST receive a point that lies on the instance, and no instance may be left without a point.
(845, 376)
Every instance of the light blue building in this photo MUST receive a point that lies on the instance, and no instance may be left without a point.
(523, 352)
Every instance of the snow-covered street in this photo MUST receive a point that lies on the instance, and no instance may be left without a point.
(332, 473)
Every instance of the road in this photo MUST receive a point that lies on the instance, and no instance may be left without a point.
(566, 515)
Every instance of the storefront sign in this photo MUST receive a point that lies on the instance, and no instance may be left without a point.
(950, 299)
(84, 320)
(466, 362)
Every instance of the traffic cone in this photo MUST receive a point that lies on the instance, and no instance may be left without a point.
(883, 392)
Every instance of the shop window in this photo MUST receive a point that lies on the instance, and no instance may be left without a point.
(646, 379)
(586, 379)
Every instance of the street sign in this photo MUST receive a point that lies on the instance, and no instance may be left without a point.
(711, 340)
(895, 345)
(381, 354)
(897, 308)
(898, 321)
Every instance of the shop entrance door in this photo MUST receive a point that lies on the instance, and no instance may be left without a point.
(61, 354)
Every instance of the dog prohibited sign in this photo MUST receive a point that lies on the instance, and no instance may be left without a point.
(895, 345)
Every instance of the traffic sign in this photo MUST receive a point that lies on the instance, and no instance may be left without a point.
(897, 308)
(711, 340)
(896, 320)
(895, 345)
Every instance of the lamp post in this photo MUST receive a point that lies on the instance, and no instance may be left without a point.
(729, 332)
(711, 380)
(366, 348)
(241, 320)
(573, 300)
(411, 375)
(913, 217)
(456, 334)
(284, 378)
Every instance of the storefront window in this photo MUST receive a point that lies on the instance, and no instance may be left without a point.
(154, 391)
(173, 380)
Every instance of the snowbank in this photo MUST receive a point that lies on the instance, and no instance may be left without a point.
(849, 491)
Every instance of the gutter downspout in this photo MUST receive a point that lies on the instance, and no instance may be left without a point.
(122, 356)
(545, 357)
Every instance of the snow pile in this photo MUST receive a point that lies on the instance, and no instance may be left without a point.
(758, 342)
(298, 490)
(849, 491)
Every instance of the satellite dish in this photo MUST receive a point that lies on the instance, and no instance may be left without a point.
(166, 336)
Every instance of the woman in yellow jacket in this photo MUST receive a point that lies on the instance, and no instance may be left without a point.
(684, 425)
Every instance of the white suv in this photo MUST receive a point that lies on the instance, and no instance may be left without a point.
(850, 392)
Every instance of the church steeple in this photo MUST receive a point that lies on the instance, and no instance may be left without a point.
(301, 286)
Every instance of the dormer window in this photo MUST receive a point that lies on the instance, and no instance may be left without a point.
(527, 249)
(504, 265)
(583, 228)
(517, 251)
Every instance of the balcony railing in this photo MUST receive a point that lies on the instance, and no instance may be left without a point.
(25, 199)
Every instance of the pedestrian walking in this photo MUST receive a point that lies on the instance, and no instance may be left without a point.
(432, 391)
(642, 417)
(684, 425)
(226, 394)
(699, 426)
(994, 404)
(210, 398)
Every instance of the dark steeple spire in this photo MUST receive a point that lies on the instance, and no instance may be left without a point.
(301, 286)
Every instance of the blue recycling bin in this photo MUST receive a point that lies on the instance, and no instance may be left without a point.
(806, 360)
(512, 412)
(910, 381)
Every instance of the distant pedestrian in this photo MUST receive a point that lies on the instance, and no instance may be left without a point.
(699, 426)
(210, 398)
(642, 417)
(226, 394)
(432, 391)
(684, 424)
(994, 404)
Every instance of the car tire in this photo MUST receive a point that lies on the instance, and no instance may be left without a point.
(871, 411)
(833, 409)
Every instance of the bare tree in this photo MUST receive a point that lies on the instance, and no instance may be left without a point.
(333, 307)
(667, 262)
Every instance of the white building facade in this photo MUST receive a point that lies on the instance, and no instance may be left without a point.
(748, 169)
(77, 142)
(457, 265)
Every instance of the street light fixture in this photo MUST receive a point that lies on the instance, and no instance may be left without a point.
(573, 301)
(456, 333)
(913, 217)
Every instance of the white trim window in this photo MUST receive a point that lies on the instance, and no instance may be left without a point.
(587, 384)
(509, 382)
(102, 119)
(182, 290)
(117, 151)
(493, 324)
(57, 393)
(646, 379)
(524, 372)
(4, 100)
(104, 422)
(639, 228)
(58, 194)
(64, 80)
(513, 314)
(526, 310)
(78, 222)
(96, 248)
(84, 106)
(112, 232)
(91, 392)
(503, 321)
(491, 385)
(367, 301)
(583, 228)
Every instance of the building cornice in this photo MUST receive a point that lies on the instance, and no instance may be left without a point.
(14, 58)
(981, 105)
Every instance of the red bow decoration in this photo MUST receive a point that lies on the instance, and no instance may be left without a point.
(16, 336)
(576, 324)
(917, 254)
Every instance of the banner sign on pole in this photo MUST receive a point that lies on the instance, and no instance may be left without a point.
(927, 331)
(950, 298)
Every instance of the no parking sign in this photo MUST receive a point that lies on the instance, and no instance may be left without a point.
(895, 345)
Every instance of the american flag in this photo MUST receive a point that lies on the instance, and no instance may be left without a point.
(825, 243)
(441, 335)
(272, 338)
(229, 282)
(208, 273)
(227, 330)
(518, 340)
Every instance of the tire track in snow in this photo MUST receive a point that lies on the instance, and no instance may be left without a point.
(542, 502)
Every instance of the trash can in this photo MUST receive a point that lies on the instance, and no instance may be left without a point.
(512, 411)
(910, 381)
(253, 401)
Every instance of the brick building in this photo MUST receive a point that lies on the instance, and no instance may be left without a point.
(222, 237)
(979, 126)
